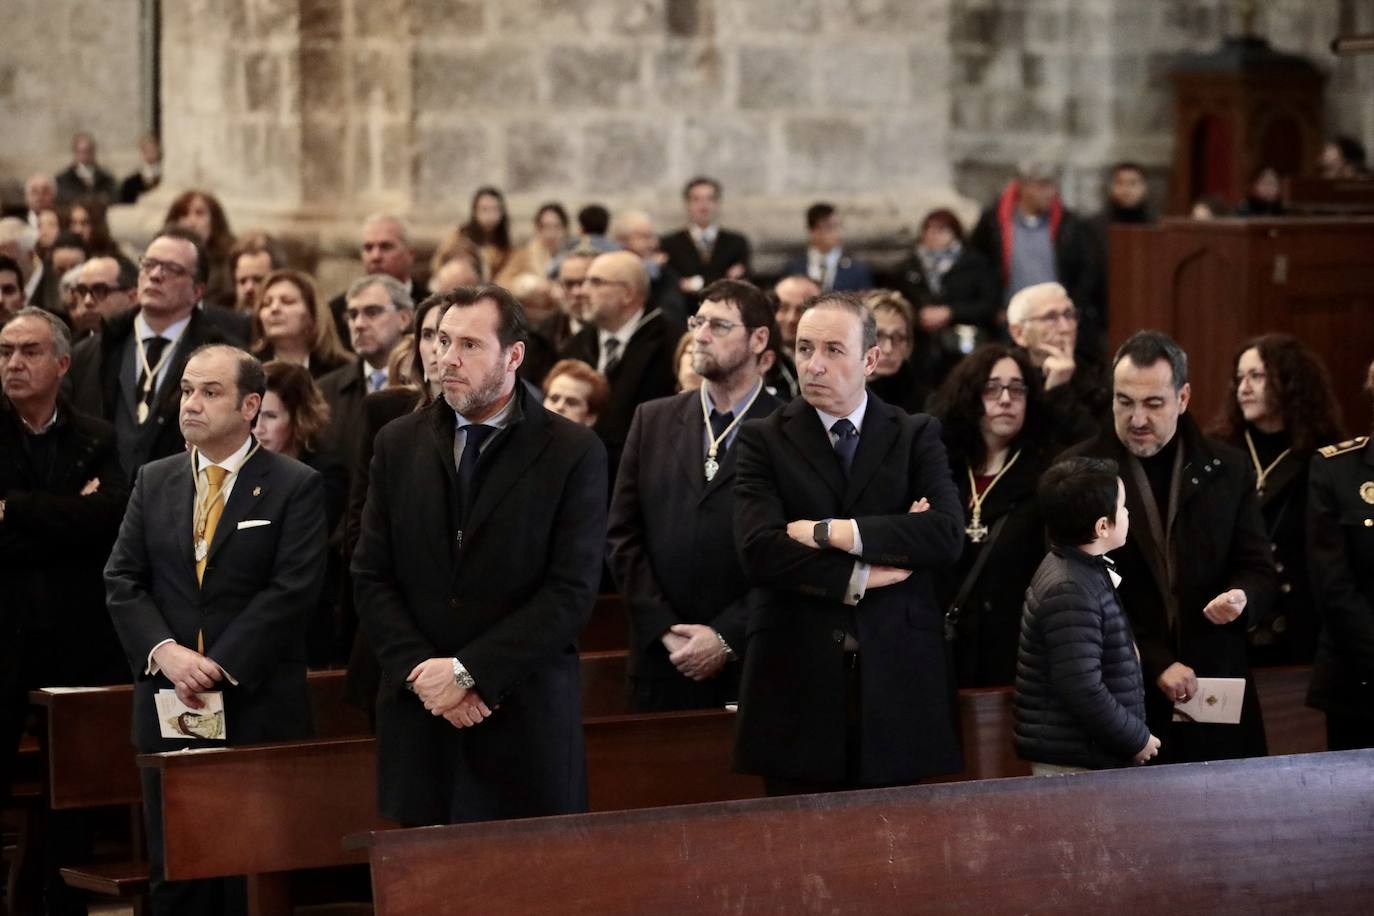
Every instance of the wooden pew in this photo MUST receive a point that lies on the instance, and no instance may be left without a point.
(609, 627)
(1276, 835)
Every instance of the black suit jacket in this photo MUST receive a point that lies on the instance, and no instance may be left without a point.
(672, 545)
(792, 699)
(260, 585)
(97, 386)
(684, 258)
(71, 188)
(344, 390)
(1217, 543)
(54, 541)
(509, 600)
(645, 372)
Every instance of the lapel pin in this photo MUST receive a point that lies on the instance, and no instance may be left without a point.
(257, 491)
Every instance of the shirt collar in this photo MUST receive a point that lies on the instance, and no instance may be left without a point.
(704, 235)
(52, 421)
(738, 408)
(172, 332)
(856, 417)
(623, 333)
(232, 464)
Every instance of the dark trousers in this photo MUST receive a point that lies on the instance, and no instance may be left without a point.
(853, 744)
(1347, 731)
(669, 694)
(204, 897)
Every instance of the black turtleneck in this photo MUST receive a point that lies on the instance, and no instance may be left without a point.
(1268, 446)
(1159, 471)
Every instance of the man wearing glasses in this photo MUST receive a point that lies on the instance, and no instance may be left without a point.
(1043, 319)
(672, 548)
(128, 372)
(106, 288)
(631, 346)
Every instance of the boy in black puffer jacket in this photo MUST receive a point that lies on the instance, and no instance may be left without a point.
(1080, 696)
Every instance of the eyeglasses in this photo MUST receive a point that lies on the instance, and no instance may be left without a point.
(992, 391)
(97, 291)
(896, 338)
(170, 268)
(599, 282)
(719, 326)
(1069, 314)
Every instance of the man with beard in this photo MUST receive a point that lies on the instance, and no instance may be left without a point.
(1196, 569)
(672, 549)
(478, 563)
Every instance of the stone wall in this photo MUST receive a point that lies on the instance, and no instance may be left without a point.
(306, 114)
(67, 66)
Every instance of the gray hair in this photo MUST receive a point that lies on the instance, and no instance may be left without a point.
(398, 291)
(20, 233)
(401, 229)
(61, 337)
(1019, 308)
(855, 306)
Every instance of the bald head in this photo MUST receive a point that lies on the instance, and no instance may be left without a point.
(634, 230)
(39, 192)
(617, 286)
(454, 273)
(792, 293)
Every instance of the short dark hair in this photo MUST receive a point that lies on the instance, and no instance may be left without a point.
(594, 219)
(700, 180)
(251, 378)
(513, 325)
(754, 308)
(1145, 348)
(945, 217)
(1352, 150)
(71, 240)
(1128, 165)
(852, 304)
(818, 213)
(9, 264)
(202, 271)
(553, 207)
(256, 243)
(1073, 494)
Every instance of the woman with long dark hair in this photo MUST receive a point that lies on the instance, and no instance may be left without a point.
(202, 213)
(1281, 410)
(998, 438)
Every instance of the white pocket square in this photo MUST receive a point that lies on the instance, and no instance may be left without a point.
(254, 523)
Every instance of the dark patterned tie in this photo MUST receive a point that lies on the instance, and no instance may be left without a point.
(152, 352)
(720, 422)
(612, 349)
(846, 442)
(467, 465)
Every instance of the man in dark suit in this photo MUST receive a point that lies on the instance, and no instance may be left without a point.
(1197, 569)
(61, 498)
(129, 372)
(385, 249)
(824, 260)
(843, 507)
(480, 553)
(623, 341)
(672, 547)
(84, 178)
(702, 252)
(219, 560)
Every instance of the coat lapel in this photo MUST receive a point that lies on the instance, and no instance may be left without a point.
(505, 462)
(441, 427)
(876, 439)
(689, 435)
(181, 507)
(247, 491)
(803, 428)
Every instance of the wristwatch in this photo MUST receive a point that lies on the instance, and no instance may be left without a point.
(461, 677)
(822, 534)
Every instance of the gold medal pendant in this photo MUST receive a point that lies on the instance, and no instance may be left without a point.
(142, 412)
(976, 530)
(202, 549)
(711, 468)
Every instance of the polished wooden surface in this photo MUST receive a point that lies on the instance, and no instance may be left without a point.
(1214, 283)
(609, 626)
(1273, 835)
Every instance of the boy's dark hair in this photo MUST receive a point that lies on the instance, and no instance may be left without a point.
(1073, 494)
(594, 219)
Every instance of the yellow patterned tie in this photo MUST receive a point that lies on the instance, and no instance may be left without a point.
(214, 508)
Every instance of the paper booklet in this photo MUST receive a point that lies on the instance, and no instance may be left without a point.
(1218, 701)
(178, 720)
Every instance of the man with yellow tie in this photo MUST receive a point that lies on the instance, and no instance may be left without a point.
(220, 557)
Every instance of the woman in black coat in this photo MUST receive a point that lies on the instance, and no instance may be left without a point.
(997, 436)
(1281, 410)
(954, 290)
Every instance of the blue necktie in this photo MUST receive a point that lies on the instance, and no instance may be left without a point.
(467, 465)
(376, 380)
(846, 442)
